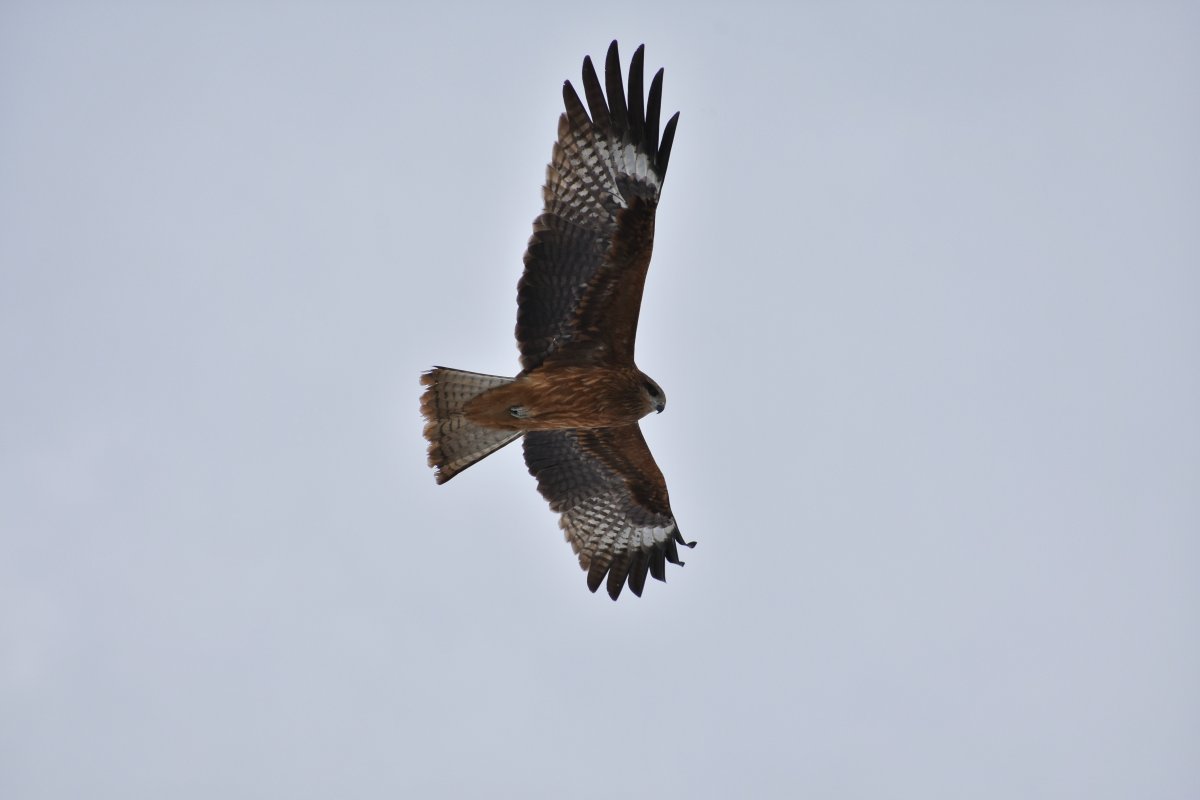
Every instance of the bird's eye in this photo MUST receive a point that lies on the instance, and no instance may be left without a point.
(651, 389)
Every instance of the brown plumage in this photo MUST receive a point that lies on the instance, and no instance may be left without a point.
(579, 396)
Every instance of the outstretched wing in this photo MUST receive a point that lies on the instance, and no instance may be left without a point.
(613, 501)
(586, 262)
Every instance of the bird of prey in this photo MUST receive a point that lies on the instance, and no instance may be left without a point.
(579, 395)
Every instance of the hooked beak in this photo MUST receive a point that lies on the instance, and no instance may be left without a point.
(658, 407)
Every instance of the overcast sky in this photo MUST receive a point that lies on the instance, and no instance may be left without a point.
(925, 299)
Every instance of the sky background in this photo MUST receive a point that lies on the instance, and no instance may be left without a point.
(925, 300)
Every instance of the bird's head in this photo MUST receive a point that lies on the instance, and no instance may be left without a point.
(656, 398)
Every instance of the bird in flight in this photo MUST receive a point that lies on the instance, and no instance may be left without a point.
(579, 395)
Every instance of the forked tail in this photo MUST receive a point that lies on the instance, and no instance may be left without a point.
(454, 442)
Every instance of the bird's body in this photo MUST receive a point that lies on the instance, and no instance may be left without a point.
(566, 397)
(579, 396)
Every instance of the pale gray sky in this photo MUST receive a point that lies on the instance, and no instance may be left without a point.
(925, 299)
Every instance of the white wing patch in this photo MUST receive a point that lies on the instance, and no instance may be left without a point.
(599, 527)
(586, 173)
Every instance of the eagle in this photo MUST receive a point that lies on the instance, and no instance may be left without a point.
(579, 396)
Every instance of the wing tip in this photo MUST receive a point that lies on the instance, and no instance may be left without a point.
(630, 115)
(632, 570)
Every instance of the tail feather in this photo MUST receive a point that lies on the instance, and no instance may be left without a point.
(456, 443)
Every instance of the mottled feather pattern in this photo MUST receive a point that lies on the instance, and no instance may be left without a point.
(598, 166)
(589, 477)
